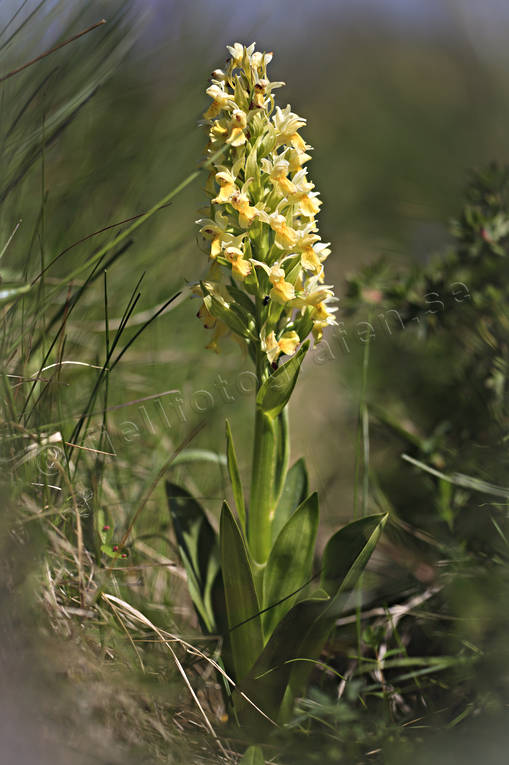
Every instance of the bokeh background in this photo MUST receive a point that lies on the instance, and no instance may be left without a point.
(402, 97)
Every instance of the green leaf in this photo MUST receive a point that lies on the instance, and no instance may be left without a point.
(219, 308)
(198, 549)
(294, 492)
(282, 452)
(344, 559)
(108, 550)
(241, 97)
(303, 631)
(348, 551)
(242, 605)
(275, 392)
(290, 563)
(233, 471)
(242, 299)
(199, 455)
(253, 756)
(252, 164)
(269, 677)
(304, 323)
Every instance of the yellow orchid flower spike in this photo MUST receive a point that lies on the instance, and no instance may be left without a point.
(261, 222)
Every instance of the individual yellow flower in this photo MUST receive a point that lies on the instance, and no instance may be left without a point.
(217, 134)
(296, 159)
(311, 293)
(220, 100)
(216, 230)
(323, 316)
(301, 194)
(218, 75)
(240, 202)
(323, 313)
(282, 291)
(277, 171)
(259, 61)
(227, 185)
(307, 244)
(240, 266)
(287, 124)
(236, 52)
(286, 344)
(270, 345)
(286, 237)
(237, 124)
(260, 91)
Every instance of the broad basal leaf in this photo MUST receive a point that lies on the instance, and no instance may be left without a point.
(290, 563)
(348, 551)
(269, 677)
(303, 631)
(198, 549)
(345, 558)
(242, 606)
(295, 490)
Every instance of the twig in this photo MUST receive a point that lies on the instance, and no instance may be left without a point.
(396, 611)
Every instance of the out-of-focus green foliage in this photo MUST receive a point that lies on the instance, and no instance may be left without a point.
(437, 403)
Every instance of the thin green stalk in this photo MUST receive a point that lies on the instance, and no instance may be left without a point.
(363, 443)
(283, 452)
(262, 486)
(365, 429)
(262, 476)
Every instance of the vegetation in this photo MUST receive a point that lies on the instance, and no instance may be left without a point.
(111, 410)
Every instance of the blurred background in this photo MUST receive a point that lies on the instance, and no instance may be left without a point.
(402, 98)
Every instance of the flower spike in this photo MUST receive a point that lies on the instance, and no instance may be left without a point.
(261, 224)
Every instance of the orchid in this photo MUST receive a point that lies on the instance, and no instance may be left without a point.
(265, 288)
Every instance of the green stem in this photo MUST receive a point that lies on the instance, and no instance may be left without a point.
(283, 452)
(262, 476)
(262, 486)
